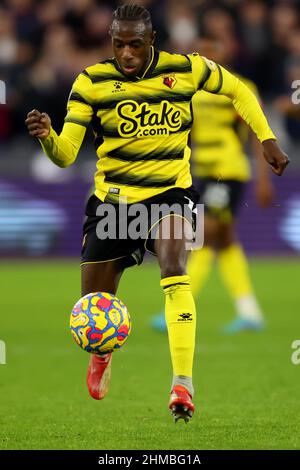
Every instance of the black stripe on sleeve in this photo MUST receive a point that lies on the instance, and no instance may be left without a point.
(75, 96)
(80, 122)
(220, 83)
(205, 77)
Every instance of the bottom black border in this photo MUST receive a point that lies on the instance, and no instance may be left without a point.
(136, 458)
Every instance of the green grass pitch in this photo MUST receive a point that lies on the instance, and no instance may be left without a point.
(247, 389)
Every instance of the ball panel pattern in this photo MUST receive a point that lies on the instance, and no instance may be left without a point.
(100, 323)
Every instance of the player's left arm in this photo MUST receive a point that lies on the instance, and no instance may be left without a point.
(220, 81)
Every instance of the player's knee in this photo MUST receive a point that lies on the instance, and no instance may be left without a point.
(226, 239)
(223, 238)
(223, 244)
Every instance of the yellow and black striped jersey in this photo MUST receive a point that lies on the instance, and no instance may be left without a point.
(141, 124)
(218, 137)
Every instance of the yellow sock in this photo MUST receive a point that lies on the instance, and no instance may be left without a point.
(181, 323)
(198, 268)
(234, 270)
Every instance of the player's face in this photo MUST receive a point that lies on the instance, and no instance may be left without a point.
(132, 42)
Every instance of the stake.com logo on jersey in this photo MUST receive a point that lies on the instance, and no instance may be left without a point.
(139, 120)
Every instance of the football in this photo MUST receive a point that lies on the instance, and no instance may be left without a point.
(100, 323)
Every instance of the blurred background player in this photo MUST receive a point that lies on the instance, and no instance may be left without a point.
(221, 169)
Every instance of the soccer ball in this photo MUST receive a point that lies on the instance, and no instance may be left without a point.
(100, 323)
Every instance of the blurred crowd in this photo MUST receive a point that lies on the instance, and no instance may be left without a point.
(44, 44)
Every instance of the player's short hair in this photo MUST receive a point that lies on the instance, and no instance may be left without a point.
(133, 12)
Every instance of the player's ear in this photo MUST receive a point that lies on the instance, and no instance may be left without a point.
(153, 37)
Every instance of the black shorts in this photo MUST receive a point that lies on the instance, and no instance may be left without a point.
(221, 198)
(103, 217)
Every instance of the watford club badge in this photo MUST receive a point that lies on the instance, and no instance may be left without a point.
(170, 81)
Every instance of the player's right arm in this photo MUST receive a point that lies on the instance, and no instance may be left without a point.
(263, 186)
(63, 149)
(213, 78)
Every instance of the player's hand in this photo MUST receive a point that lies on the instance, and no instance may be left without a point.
(275, 156)
(38, 124)
(264, 192)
